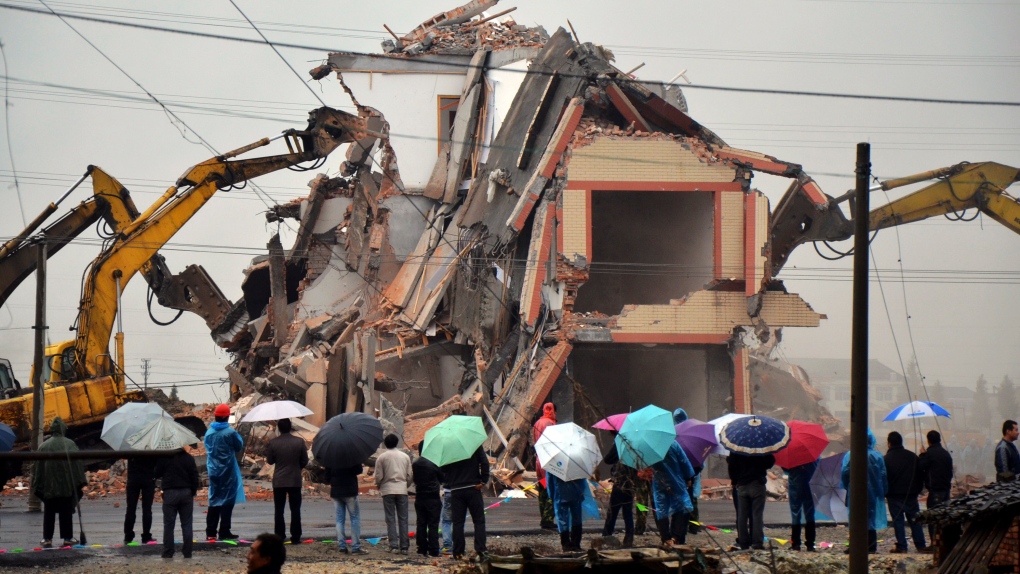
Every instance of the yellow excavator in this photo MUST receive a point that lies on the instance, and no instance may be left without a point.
(84, 382)
(806, 214)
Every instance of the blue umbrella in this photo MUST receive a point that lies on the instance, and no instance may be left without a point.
(645, 437)
(7, 439)
(916, 409)
(755, 435)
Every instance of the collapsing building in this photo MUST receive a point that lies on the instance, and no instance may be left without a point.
(521, 220)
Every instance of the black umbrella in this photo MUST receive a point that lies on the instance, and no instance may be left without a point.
(347, 439)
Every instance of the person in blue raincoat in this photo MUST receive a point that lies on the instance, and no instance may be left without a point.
(567, 497)
(670, 481)
(802, 506)
(694, 492)
(878, 486)
(222, 444)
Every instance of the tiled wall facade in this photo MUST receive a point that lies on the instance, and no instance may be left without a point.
(574, 227)
(643, 160)
(731, 235)
(715, 312)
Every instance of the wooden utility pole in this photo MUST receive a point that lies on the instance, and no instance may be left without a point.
(39, 379)
(859, 371)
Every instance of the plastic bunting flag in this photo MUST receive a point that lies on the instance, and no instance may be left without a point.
(781, 541)
(373, 541)
(641, 507)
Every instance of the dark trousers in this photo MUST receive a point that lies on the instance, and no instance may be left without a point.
(904, 511)
(750, 515)
(674, 527)
(461, 502)
(177, 502)
(280, 496)
(146, 492)
(545, 508)
(428, 508)
(935, 498)
(218, 515)
(620, 500)
(64, 507)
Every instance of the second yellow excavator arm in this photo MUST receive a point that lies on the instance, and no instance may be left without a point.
(138, 242)
(960, 187)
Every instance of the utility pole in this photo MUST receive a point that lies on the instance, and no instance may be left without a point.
(859, 371)
(39, 380)
(145, 373)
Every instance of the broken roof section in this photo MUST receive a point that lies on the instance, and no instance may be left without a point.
(522, 220)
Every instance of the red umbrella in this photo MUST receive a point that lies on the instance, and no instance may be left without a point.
(807, 441)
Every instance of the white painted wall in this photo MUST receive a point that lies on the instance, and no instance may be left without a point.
(409, 102)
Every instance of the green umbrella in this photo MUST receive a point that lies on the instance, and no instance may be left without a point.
(454, 439)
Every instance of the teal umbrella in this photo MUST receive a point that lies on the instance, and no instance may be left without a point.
(645, 437)
(454, 439)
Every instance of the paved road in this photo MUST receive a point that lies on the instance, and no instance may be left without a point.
(104, 522)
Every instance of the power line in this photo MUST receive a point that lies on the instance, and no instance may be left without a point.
(562, 75)
(7, 126)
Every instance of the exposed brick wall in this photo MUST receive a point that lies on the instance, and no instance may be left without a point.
(1008, 553)
(643, 160)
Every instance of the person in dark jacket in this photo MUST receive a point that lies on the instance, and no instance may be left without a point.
(802, 505)
(141, 482)
(936, 466)
(1007, 458)
(621, 498)
(58, 484)
(428, 507)
(343, 489)
(290, 454)
(749, 476)
(905, 482)
(465, 479)
(266, 555)
(179, 484)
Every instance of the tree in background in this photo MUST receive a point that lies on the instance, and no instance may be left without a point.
(1006, 398)
(981, 412)
(913, 376)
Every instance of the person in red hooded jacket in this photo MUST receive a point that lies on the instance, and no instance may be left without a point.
(545, 504)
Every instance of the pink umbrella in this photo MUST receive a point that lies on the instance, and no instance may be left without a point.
(611, 423)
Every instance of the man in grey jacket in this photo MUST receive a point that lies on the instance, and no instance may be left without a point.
(393, 476)
(290, 454)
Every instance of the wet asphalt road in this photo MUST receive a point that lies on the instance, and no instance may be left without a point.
(104, 522)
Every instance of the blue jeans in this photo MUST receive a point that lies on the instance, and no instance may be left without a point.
(349, 506)
(568, 515)
(801, 504)
(908, 509)
(447, 521)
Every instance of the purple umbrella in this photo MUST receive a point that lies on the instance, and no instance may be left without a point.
(697, 439)
(829, 496)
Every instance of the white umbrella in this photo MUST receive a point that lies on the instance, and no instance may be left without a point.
(126, 421)
(568, 452)
(276, 410)
(719, 424)
(163, 433)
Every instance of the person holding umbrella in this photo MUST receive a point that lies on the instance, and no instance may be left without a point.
(455, 445)
(569, 455)
(800, 460)
(180, 483)
(878, 486)
(290, 454)
(694, 490)
(751, 441)
(670, 482)
(222, 444)
(545, 505)
(141, 482)
(621, 498)
(428, 507)
(58, 484)
(343, 489)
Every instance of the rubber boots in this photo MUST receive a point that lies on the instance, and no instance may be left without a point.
(795, 538)
(628, 540)
(809, 536)
(565, 541)
(575, 539)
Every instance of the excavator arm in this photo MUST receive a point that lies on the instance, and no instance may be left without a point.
(133, 250)
(109, 201)
(964, 186)
(806, 214)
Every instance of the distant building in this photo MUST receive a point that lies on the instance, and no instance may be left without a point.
(832, 379)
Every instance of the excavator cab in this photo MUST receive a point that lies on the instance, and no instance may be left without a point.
(9, 386)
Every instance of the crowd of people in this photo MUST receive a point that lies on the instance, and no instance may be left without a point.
(445, 495)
